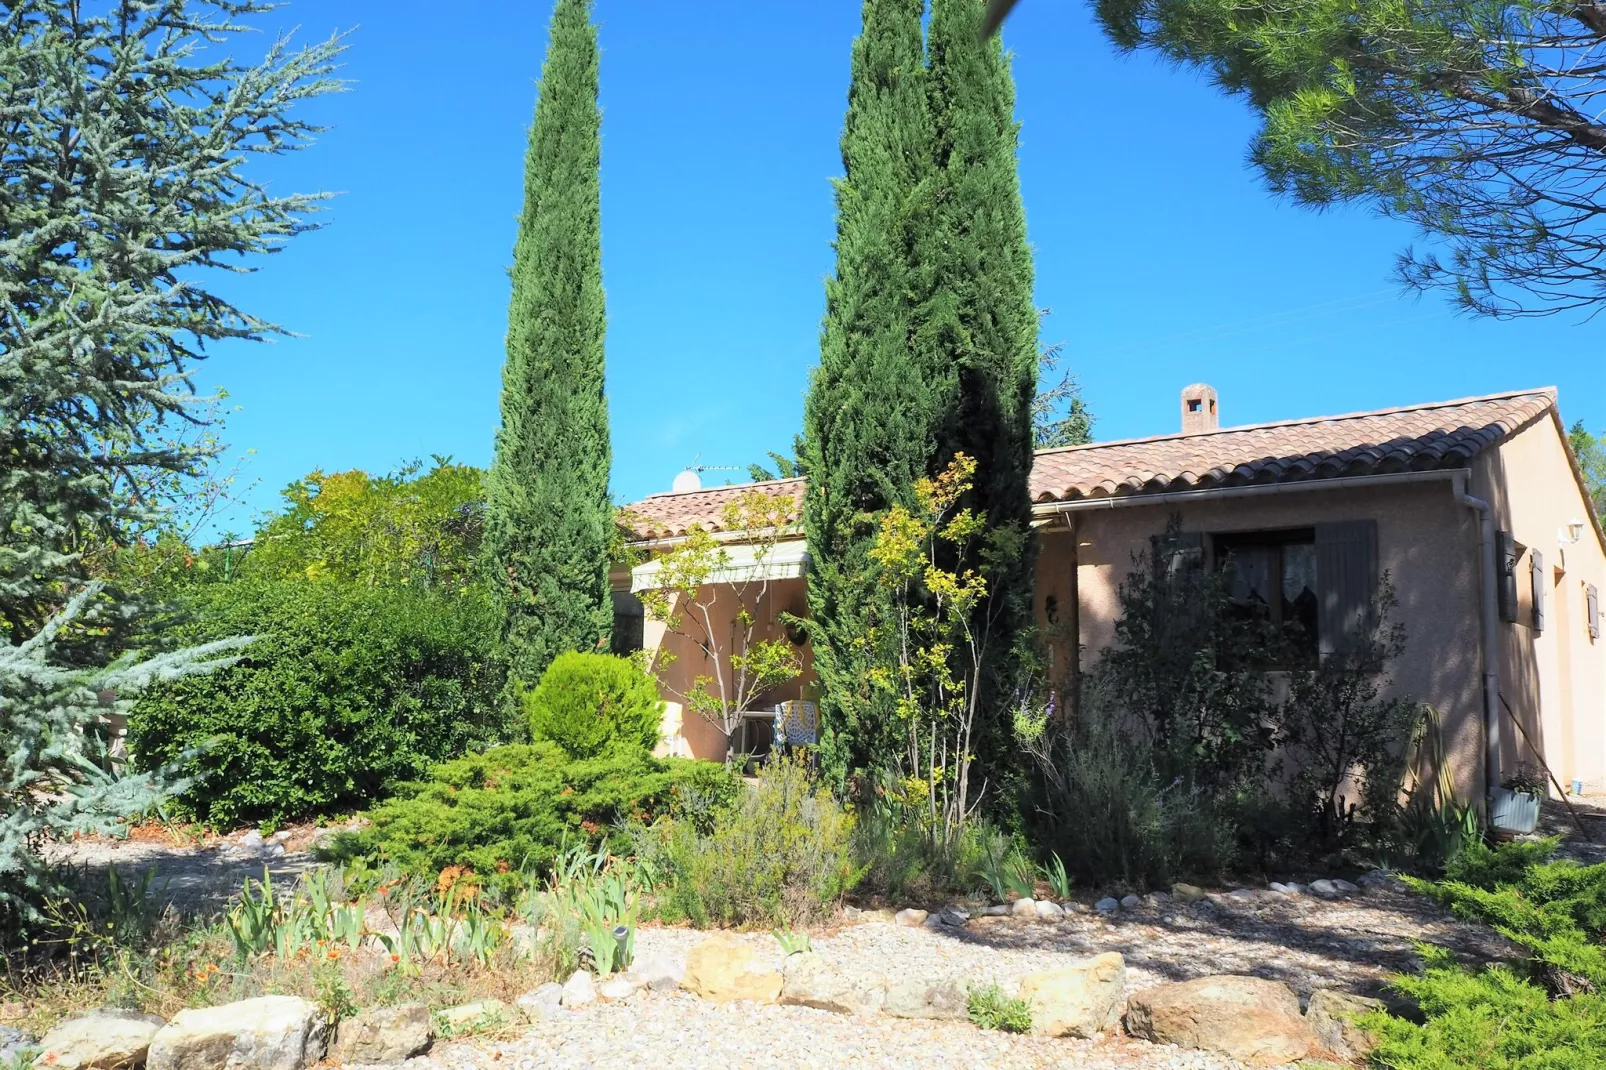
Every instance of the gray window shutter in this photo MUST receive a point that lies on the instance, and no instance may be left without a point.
(1506, 562)
(1346, 580)
(1592, 605)
(1536, 573)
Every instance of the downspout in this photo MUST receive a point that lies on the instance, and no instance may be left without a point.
(1490, 619)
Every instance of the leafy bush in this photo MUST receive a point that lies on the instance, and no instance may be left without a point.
(588, 703)
(342, 691)
(780, 855)
(515, 808)
(1100, 803)
(905, 855)
(991, 1009)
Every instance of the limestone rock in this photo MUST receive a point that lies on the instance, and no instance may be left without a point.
(810, 981)
(1049, 911)
(1278, 888)
(997, 910)
(618, 988)
(910, 917)
(579, 990)
(383, 1035)
(1248, 1018)
(1331, 1017)
(108, 1039)
(943, 1000)
(1130, 901)
(1024, 908)
(1345, 886)
(541, 1003)
(883, 916)
(265, 1033)
(1324, 888)
(953, 917)
(1157, 900)
(1296, 887)
(1187, 893)
(466, 1016)
(1083, 998)
(661, 973)
(1107, 905)
(723, 968)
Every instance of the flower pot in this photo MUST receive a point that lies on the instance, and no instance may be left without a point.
(1514, 811)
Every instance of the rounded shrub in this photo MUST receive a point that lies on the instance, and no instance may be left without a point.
(591, 703)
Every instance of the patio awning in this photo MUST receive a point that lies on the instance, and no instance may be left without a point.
(744, 564)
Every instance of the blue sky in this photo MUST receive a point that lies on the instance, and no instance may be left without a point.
(1160, 253)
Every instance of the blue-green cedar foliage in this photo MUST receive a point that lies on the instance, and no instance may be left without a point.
(869, 419)
(549, 521)
(124, 176)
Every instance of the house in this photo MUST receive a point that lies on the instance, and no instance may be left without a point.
(1474, 509)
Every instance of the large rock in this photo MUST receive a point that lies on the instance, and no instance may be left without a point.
(724, 968)
(540, 1004)
(579, 990)
(266, 1033)
(383, 1035)
(1248, 1018)
(109, 1039)
(911, 917)
(659, 972)
(1331, 1017)
(944, 1000)
(1187, 893)
(810, 981)
(1083, 998)
(467, 1017)
(1024, 908)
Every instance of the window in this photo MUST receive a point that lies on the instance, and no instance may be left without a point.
(629, 624)
(1272, 576)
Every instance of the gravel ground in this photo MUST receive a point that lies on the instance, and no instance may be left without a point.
(680, 1031)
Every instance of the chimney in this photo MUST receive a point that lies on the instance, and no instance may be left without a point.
(1200, 411)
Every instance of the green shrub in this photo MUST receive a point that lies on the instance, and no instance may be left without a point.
(514, 808)
(1492, 1020)
(780, 855)
(1100, 803)
(903, 859)
(343, 690)
(991, 1009)
(589, 703)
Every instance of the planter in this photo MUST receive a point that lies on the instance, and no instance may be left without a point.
(1514, 811)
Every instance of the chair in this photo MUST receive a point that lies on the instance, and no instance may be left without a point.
(797, 724)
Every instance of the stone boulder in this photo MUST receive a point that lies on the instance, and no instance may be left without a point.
(579, 990)
(1331, 1017)
(810, 981)
(1107, 905)
(1024, 908)
(1083, 998)
(724, 968)
(942, 1000)
(1048, 911)
(618, 988)
(659, 972)
(1187, 893)
(383, 1035)
(911, 917)
(1248, 1018)
(265, 1033)
(539, 1004)
(109, 1039)
(468, 1016)
(1325, 889)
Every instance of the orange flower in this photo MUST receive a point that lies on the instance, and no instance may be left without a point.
(334, 954)
(395, 958)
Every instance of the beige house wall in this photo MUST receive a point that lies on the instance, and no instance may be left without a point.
(676, 659)
(1554, 680)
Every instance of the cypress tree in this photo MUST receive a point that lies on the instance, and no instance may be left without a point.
(870, 408)
(548, 515)
(981, 320)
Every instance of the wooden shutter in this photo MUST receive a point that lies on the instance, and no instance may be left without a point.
(1506, 563)
(1592, 607)
(1536, 574)
(1346, 580)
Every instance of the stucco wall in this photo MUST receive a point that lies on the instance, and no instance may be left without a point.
(1554, 680)
(1426, 544)
(676, 673)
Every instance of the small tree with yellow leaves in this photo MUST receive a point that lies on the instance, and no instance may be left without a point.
(722, 606)
(933, 562)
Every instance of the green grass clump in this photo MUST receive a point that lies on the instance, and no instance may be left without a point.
(991, 1009)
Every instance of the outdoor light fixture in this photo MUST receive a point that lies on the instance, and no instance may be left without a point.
(1575, 529)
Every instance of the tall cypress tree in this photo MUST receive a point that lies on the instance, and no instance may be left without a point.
(548, 515)
(869, 414)
(981, 318)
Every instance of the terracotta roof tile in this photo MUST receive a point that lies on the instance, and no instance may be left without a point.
(1415, 438)
(1418, 438)
(662, 516)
